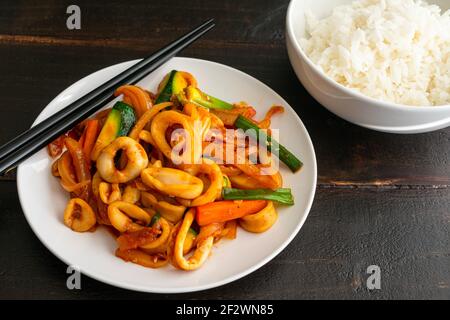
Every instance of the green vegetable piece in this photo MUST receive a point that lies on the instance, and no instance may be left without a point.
(282, 196)
(172, 85)
(155, 219)
(118, 123)
(196, 96)
(194, 233)
(127, 118)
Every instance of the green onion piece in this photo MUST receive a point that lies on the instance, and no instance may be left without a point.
(195, 95)
(211, 102)
(155, 219)
(283, 196)
(272, 145)
(165, 94)
(195, 233)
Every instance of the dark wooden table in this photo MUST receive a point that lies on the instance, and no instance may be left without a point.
(381, 199)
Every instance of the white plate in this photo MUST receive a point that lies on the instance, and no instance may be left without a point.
(43, 200)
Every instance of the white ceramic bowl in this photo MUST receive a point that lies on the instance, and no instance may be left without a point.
(346, 103)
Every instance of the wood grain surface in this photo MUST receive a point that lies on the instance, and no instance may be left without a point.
(382, 199)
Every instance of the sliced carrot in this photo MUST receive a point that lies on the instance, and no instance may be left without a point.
(90, 136)
(82, 138)
(222, 211)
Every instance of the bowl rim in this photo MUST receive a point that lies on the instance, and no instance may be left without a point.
(384, 104)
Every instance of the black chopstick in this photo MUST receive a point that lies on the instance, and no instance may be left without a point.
(106, 88)
(43, 133)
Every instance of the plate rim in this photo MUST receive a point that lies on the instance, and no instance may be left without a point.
(193, 288)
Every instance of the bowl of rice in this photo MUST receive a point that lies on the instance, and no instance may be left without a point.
(380, 64)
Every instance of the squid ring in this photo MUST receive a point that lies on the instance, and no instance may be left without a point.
(201, 118)
(162, 239)
(173, 182)
(109, 193)
(146, 136)
(131, 194)
(138, 98)
(146, 118)
(96, 180)
(230, 170)
(159, 126)
(171, 212)
(137, 161)
(214, 190)
(79, 219)
(75, 187)
(157, 164)
(200, 254)
(260, 221)
(119, 214)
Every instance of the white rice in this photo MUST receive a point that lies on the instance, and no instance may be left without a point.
(391, 50)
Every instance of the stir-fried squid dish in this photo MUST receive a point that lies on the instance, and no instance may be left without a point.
(172, 173)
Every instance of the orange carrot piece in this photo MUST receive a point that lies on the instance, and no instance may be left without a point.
(82, 138)
(222, 211)
(90, 136)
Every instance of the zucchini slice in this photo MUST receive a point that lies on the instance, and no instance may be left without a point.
(119, 123)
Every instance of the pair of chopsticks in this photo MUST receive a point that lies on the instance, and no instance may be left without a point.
(34, 139)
